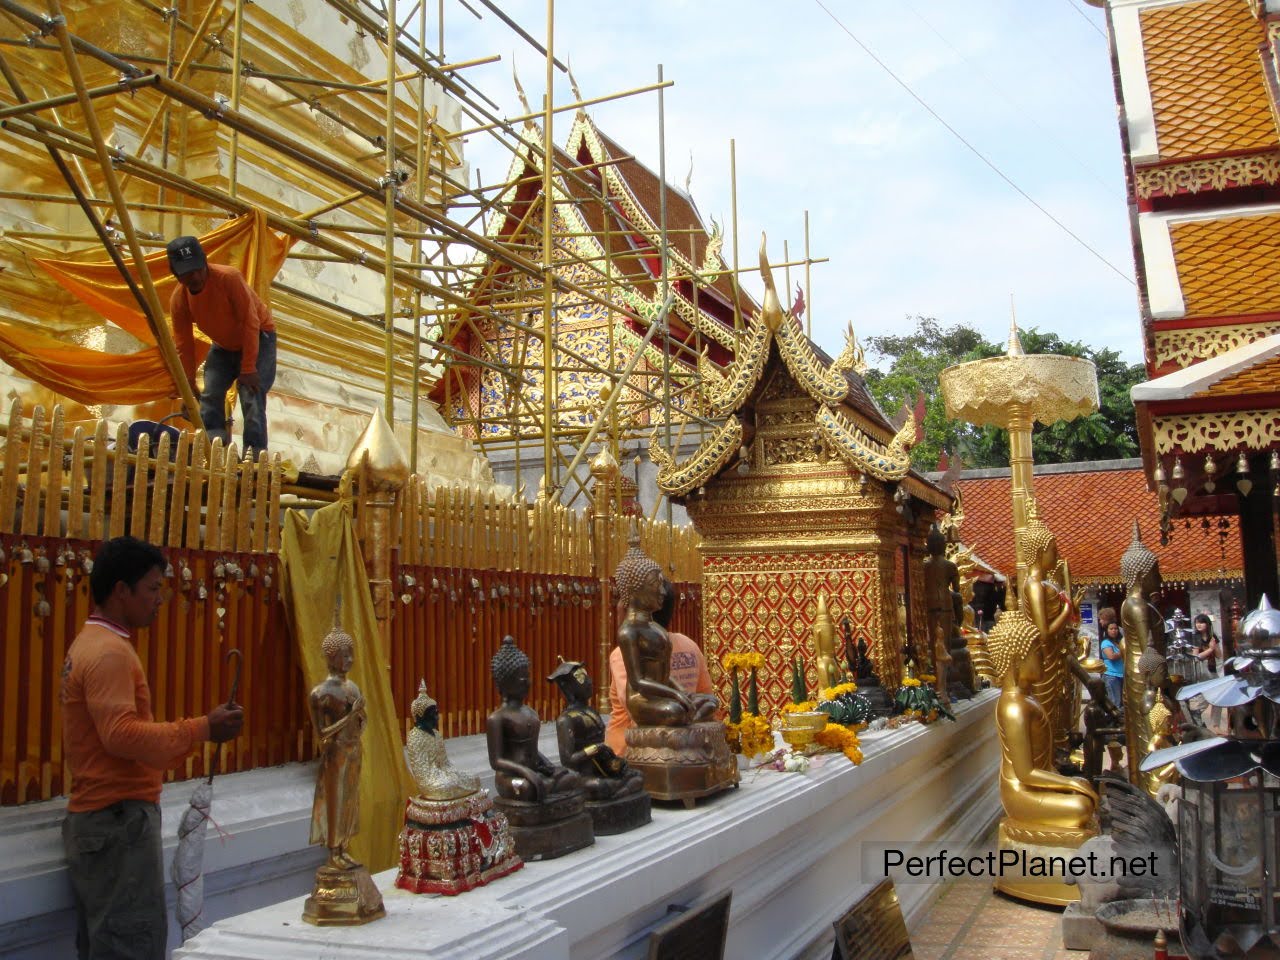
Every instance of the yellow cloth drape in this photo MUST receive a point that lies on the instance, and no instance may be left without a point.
(320, 558)
(92, 376)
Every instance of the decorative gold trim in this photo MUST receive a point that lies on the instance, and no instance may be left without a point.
(1191, 577)
(1185, 347)
(820, 381)
(1197, 175)
(852, 359)
(725, 395)
(862, 452)
(678, 479)
(1223, 432)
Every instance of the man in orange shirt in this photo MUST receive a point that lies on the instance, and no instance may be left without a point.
(228, 311)
(688, 671)
(117, 753)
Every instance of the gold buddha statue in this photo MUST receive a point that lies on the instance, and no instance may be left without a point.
(1144, 642)
(343, 894)
(824, 647)
(436, 777)
(1045, 811)
(1050, 611)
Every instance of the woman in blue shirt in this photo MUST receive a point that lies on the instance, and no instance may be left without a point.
(1113, 664)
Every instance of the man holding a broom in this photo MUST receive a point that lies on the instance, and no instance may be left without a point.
(117, 754)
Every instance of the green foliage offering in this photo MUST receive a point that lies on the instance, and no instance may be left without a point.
(849, 709)
(916, 359)
(799, 693)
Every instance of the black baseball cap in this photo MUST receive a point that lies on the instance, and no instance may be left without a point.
(185, 256)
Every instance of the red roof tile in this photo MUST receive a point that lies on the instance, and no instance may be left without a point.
(1092, 514)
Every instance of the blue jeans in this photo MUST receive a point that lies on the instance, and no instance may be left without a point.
(221, 369)
(1115, 690)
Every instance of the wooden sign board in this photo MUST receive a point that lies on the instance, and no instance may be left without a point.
(873, 928)
(693, 935)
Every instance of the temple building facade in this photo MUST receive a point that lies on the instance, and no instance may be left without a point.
(1197, 87)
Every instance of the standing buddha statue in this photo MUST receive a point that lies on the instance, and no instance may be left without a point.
(1144, 642)
(1050, 611)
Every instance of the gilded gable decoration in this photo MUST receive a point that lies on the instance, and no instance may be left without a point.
(710, 457)
(864, 454)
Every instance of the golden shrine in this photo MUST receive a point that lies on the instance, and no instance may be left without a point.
(805, 491)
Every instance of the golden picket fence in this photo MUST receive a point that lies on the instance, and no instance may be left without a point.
(467, 567)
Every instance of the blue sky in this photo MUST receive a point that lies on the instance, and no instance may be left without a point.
(911, 220)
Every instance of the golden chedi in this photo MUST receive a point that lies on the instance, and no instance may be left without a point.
(1046, 814)
(343, 893)
(453, 839)
(677, 744)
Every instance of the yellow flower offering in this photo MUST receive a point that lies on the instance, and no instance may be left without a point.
(911, 682)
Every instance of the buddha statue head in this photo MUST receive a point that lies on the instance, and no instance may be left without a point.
(338, 646)
(573, 680)
(1139, 566)
(510, 668)
(1037, 543)
(639, 580)
(936, 541)
(1013, 648)
(426, 714)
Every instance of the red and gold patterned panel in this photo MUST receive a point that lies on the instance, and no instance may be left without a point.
(767, 603)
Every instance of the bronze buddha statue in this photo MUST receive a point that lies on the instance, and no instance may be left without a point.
(542, 801)
(615, 791)
(343, 893)
(677, 744)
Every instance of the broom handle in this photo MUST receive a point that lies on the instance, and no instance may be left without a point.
(235, 688)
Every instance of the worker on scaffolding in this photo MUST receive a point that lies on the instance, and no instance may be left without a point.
(221, 303)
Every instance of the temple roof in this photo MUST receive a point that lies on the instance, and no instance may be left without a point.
(1091, 509)
(1252, 368)
(1207, 87)
(1228, 265)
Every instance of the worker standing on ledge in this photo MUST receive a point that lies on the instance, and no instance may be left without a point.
(228, 311)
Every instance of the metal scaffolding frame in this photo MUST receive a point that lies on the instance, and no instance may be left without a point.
(402, 211)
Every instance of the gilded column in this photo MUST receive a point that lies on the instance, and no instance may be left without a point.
(381, 470)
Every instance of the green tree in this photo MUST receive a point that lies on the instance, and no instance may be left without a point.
(911, 363)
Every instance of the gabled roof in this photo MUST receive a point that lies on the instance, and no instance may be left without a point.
(1228, 265)
(1091, 509)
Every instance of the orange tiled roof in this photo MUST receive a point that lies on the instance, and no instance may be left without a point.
(1263, 378)
(1206, 80)
(1092, 514)
(1228, 266)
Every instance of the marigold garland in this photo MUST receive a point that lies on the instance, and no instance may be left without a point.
(928, 678)
(836, 736)
(742, 660)
(807, 706)
(753, 735)
(910, 682)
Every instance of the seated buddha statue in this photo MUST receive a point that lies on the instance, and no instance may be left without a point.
(1042, 803)
(543, 802)
(436, 777)
(615, 791)
(520, 771)
(677, 744)
(653, 698)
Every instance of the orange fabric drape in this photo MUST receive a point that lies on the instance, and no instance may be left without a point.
(92, 376)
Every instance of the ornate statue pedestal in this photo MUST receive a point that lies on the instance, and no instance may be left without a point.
(343, 897)
(1041, 842)
(877, 696)
(544, 831)
(451, 846)
(683, 763)
(611, 817)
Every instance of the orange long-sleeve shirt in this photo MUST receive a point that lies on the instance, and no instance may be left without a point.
(229, 313)
(114, 747)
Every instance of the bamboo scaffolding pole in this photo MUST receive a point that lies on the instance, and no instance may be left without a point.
(155, 312)
(564, 108)
(123, 85)
(391, 184)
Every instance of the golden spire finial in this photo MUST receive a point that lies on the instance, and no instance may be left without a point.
(771, 309)
(1015, 341)
(388, 466)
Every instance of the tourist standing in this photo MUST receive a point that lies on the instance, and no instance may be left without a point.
(228, 311)
(117, 753)
(1112, 651)
(1206, 641)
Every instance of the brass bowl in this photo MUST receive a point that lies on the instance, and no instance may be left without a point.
(800, 729)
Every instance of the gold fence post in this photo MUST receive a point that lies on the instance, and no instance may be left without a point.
(381, 470)
(604, 469)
